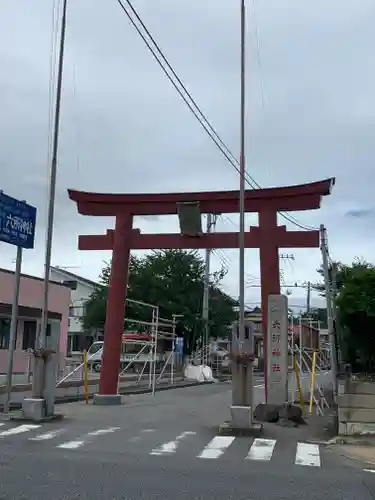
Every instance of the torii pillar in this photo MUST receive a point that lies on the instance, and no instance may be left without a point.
(269, 267)
(114, 324)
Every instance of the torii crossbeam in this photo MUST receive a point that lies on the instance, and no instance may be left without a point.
(267, 236)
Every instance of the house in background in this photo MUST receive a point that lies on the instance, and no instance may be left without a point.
(309, 334)
(29, 315)
(82, 288)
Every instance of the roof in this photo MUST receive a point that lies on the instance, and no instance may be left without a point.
(72, 276)
(30, 277)
(296, 328)
(305, 196)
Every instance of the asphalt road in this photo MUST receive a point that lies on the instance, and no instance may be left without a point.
(161, 448)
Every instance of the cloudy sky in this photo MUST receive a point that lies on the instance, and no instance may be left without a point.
(310, 115)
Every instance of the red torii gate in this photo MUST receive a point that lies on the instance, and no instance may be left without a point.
(268, 237)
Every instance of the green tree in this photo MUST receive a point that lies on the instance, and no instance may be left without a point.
(96, 306)
(356, 305)
(342, 271)
(318, 316)
(174, 280)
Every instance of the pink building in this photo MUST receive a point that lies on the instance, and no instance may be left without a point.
(29, 314)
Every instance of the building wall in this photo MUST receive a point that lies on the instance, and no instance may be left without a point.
(31, 295)
(78, 297)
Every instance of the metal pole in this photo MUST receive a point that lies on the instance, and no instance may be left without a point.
(241, 323)
(328, 293)
(155, 350)
(38, 378)
(52, 183)
(308, 298)
(206, 292)
(13, 329)
(173, 346)
(300, 345)
(292, 342)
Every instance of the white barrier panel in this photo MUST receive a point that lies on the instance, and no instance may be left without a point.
(194, 373)
(207, 373)
(200, 373)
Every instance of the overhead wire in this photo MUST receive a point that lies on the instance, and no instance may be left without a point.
(285, 215)
(192, 105)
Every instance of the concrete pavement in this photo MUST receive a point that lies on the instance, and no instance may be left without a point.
(167, 447)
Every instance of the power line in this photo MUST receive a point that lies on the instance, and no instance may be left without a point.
(192, 105)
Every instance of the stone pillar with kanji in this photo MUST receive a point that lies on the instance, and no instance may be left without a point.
(277, 360)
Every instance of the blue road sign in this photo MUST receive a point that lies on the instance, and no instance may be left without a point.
(17, 222)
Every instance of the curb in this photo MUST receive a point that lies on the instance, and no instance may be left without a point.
(348, 441)
(124, 391)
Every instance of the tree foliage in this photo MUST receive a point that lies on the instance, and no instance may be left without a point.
(356, 306)
(336, 268)
(355, 302)
(174, 280)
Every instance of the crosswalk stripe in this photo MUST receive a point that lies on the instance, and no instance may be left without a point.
(77, 443)
(216, 447)
(19, 430)
(100, 432)
(171, 446)
(47, 435)
(307, 454)
(261, 449)
(71, 445)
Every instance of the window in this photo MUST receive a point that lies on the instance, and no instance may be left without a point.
(75, 343)
(76, 311)
(95, 347)
(4, 333)
(29, 335)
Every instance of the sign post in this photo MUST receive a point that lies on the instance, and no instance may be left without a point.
(17, 227)
(277, 362)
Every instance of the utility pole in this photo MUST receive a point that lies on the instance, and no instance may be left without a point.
(241, 322)
(242, 339)
(308, 297)
(329, 301)
(335, 314)
(211, 221)
(38, 378)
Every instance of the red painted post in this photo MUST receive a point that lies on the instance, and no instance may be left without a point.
(114, 325)
(269, 271)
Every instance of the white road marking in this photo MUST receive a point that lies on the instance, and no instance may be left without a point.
(47, 435)
(100, 432)
(261, 449)
(307, 454)
(73, 445)
(171, 446)
(1, 423)
(216, 447)
(369, 470)
(138, 438)
(19, 430)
